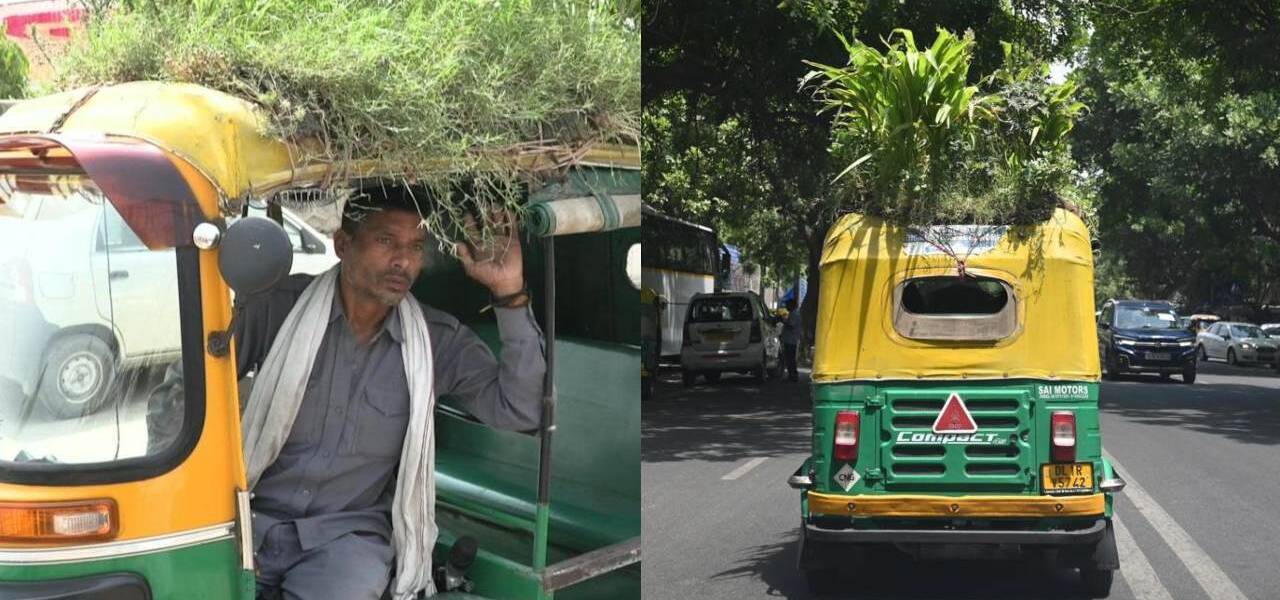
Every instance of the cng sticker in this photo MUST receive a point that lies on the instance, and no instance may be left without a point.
(847, 476)
(955, 417)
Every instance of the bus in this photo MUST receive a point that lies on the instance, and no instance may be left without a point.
(680, 259)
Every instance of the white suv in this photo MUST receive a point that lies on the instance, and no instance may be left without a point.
(729, 331)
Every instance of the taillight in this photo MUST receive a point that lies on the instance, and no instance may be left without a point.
(686, 339)
(755, 332)
(1062, 434)
(847, 425)
(58, 521)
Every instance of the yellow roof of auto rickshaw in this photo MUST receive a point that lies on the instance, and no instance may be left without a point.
(219, 134)
(1048, 266)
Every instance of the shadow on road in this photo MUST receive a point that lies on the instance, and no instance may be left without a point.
(1243, 412)
(896, 576)
(733, 418)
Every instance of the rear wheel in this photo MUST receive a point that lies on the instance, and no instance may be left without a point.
(1231, 357)
(79, 370)
(1097, 582)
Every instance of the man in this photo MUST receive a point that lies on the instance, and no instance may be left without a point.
(323, 504)
(790, 338)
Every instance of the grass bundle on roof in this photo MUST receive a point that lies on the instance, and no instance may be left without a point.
(438, 91)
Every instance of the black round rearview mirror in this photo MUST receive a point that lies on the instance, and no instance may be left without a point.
(255, 255)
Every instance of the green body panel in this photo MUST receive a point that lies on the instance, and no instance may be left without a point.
(1015, 411)
(486, 480)
(208, 571)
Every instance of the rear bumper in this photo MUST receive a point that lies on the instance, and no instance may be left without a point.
(955, 507)
(721, 360)
(1063, 537)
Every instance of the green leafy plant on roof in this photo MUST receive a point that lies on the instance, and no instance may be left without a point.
(927, 146)
(438, 91)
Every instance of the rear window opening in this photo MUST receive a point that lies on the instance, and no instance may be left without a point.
(717, 310)
(955, 308)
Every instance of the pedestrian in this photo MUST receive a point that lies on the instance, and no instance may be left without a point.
(338, 426)
(790, 338)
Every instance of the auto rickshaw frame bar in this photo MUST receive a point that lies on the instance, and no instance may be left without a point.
(540, 534)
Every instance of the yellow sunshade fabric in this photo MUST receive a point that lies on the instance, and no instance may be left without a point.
(220, 134)
(1049, 267)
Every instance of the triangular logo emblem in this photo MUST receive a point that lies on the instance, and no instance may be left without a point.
(955, 417)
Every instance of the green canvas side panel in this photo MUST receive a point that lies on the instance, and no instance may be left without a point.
(205, 572)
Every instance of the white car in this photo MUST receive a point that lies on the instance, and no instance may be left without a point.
(1236, 343)
(729, 331)
(82, 322)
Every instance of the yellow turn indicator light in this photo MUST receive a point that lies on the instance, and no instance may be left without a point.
(79, 520)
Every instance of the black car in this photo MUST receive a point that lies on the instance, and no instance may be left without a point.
(1143, 336)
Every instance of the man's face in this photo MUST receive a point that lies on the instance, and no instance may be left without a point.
(383, 258)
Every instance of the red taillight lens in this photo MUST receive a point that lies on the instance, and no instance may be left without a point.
(848, 424)
(755, 332)
(1062, 434)
(686, 339)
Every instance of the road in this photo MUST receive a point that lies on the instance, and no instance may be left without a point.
(1199, 520)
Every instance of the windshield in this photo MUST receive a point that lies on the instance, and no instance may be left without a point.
(1146, 318)
(88, 322)
(1246, 331)
(715, 310)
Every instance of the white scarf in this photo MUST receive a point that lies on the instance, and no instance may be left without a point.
(277, 395)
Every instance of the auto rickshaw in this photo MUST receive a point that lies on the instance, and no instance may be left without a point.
(90, 509)
(955, 400)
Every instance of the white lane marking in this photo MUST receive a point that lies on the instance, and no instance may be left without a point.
(1135, 568)
(1207, 573)
(740, 471)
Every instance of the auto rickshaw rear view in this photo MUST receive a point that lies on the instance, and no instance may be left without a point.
(955, 400)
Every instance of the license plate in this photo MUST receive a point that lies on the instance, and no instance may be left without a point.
(1158, 356)
(1066, 478)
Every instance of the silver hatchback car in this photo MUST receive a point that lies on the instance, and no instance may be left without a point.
(729, 331)
(1237, 343)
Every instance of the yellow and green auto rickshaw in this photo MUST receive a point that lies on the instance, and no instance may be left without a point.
(115, 204)
(955, 400)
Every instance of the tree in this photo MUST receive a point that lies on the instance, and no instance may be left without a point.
(1183, 137)
(764, 181)
(13, 70)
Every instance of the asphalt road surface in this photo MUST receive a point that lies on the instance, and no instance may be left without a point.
(1200, 518)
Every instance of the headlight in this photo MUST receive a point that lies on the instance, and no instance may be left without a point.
(1124, 342)
(1247, 346)
(1186, 343)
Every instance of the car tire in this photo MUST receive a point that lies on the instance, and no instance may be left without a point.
(760, 373)
(79, 371)
(688, 377)
(1189, 374)
(712, 376)
(1109, 366)
(1097, 582)
(1231, 357)
(1165, 376)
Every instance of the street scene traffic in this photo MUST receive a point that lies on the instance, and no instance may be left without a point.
(1195, 521)
(1026, 254)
